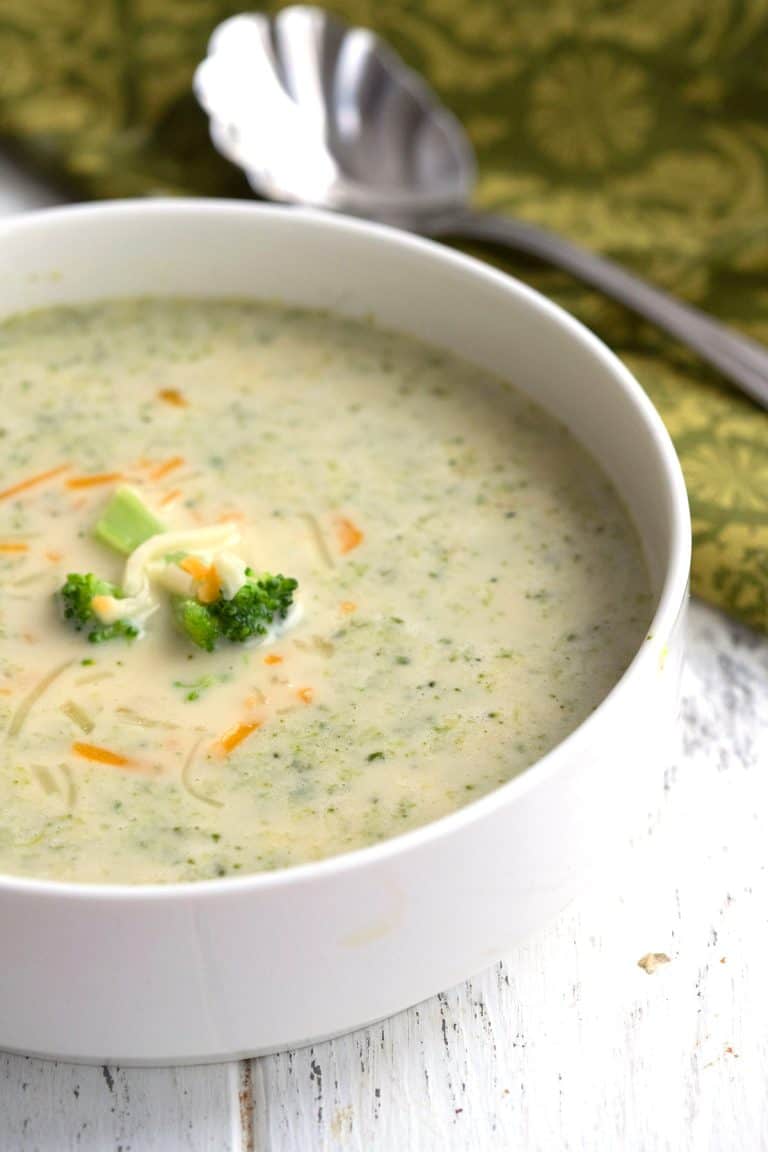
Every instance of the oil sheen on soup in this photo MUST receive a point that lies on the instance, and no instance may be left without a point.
(468, 587)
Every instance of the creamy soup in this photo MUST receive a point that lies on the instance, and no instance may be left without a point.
(469, 588)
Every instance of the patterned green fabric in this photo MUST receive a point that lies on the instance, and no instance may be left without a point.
(637, 128)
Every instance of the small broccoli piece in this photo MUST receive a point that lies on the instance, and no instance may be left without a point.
(76, 597)
(254, 608)
(250, 612)
(197, 621)
(77, 594)
(120, 630)
(194, 689)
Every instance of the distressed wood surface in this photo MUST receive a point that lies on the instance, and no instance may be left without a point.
(52, 1107)
(568, 1045)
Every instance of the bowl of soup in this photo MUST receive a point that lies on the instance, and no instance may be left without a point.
(342, 586)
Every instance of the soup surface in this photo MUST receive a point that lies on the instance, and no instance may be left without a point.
(469, 588)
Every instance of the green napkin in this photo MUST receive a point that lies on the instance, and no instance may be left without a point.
(637, 129)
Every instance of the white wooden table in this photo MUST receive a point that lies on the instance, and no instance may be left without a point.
(566, 1045)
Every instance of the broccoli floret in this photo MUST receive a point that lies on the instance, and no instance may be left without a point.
(254, 608)
(197, 621)
(76, 597)
(77, 594)
(250, 612)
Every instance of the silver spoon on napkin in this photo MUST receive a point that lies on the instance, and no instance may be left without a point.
(321, 114)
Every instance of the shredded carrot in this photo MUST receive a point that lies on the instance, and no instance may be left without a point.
(166, 467)
(273, 658)
(231, 517)
(348, 534)
(305, 694)
(194, 566)
(347, 607)
(234, 736)
(13, 546)
(174, 397)
(93, 481)
(54, 556)
(32, 481)
(169, 497)
(100, 755)
(210, 588)
(6, 691)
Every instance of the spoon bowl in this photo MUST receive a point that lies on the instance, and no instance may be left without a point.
(321, 114)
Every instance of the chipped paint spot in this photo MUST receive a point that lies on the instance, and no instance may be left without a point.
(341, 1122)
(316, 1075)
(245, 1100)
(653, 960)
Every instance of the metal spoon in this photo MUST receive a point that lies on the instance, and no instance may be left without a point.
(321, 114)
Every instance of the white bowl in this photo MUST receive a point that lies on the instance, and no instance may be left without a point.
(231, 967)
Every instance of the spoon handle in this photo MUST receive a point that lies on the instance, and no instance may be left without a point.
(742, 360)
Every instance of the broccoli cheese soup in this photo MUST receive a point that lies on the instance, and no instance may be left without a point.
(276, 585)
